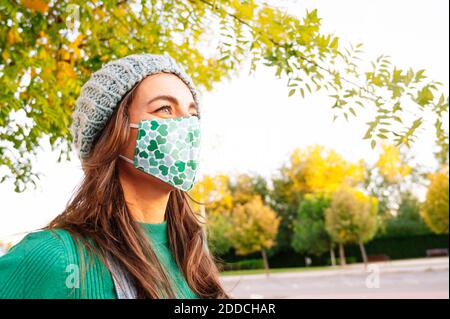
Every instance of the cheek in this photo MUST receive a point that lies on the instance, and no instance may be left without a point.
(128, 149)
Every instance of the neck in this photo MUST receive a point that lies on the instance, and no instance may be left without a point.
(147, 203)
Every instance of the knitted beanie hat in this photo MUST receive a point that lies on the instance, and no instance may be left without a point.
(101, 94)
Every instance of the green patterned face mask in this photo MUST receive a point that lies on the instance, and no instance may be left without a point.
(168, 149)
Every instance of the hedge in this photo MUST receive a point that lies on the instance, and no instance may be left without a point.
(393, 247)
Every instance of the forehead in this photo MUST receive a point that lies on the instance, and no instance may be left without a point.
(165, 84)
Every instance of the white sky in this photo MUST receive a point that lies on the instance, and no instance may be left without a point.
(249, 123)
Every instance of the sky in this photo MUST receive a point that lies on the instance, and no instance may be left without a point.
(250, 125)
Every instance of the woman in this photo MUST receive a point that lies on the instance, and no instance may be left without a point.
(129, 231)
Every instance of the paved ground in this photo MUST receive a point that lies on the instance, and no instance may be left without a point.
(417, 278)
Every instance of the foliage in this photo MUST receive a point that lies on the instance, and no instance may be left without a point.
(403, 247)
(245, 264)
(407, 221)
(214, 192)
(435, 209)
(221, 194)
(312, 170)
(219, 227)
(310, 235)
(390, 177)
(317, 169)
(255, 227)
(244, 187)
(48, 49)
(392, 168)
(351, 217)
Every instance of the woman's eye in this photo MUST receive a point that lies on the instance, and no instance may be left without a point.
(165, 108)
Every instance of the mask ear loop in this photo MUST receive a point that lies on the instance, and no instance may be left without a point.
(126, 159)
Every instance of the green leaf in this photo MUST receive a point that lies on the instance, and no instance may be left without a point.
(425, 96)
(419, 76)
(398, 119)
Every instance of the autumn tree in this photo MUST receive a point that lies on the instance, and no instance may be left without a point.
(254, 228)
(220, 194)
(435, 208)
(315, 169)
(310, 235)
(213, 192)
(390, 178)
(215, 203)
(244, 187)
(49, 48)
(351, 218)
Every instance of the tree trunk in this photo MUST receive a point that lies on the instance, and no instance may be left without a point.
(266, 261)
(342, 254)
(333, 257)
(363, 253)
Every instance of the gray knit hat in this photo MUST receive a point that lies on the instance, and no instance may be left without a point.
(101, 94)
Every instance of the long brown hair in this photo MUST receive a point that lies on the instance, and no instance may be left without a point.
(98, 213)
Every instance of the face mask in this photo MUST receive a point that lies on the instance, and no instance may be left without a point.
(168, 149)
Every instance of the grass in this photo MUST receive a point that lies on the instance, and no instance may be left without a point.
(271, 271)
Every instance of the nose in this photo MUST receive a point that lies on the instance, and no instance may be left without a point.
(184, 113)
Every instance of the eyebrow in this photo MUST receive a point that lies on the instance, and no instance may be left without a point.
(172, 99)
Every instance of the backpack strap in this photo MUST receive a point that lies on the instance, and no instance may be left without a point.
(123, 282)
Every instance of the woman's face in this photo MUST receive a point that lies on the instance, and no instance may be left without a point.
(158, 96)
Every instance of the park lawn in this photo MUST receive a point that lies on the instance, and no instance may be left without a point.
(272, 271)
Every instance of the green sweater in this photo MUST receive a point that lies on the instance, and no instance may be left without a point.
(44, 265)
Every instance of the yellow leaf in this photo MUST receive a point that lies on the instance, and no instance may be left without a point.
(11, 37)
(77, 41)
(42, 55)
(5, 55)
(64, 54)
(37, 5)
(122, 50)
(65, 70)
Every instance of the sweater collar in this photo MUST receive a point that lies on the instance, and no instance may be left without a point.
(157, 232)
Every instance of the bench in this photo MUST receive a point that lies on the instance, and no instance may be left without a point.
(437, 252)
(377, 258)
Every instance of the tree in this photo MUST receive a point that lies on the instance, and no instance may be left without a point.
(215, 203)
(390, 178)
(49, 48)
(435, 208)
(407, 221)
(351, 218)
(442, 152)
(255, 227)
(220, 195)
(310, 235)
(315, 169)
(214, 192)
(219, 228)
(391, 166)
(244, 187)
(318, 169)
